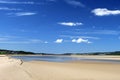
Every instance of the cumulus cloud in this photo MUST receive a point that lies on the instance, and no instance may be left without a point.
(80, 40)
(22, 13)
(71, 23)
(59, 41)
(105, 12)
(75, 3)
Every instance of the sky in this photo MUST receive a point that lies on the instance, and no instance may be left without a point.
(60, 26)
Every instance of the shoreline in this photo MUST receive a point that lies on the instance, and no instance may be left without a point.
(104, 59)
(112, 57)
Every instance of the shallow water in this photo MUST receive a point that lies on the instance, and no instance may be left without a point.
(61, 59)
(45, 58)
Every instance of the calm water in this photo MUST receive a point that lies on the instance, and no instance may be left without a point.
(61, 59)
(46, 58)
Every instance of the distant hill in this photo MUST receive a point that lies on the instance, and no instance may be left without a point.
(12, 52)
(2, 51)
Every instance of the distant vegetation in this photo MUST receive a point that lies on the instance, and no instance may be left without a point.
(14, 52)
(95, 53)
(11, 52)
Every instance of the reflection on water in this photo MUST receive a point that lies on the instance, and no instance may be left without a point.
(45, 58)
(61, 59)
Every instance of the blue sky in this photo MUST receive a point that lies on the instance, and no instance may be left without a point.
(60, 26)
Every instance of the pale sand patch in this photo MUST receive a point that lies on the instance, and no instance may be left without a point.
(98, 57)
(40, 70)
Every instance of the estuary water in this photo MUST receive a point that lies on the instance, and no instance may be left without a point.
(46, 58)
(61, 59)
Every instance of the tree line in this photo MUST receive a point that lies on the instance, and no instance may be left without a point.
(12, 52)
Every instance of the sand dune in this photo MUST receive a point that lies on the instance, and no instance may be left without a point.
(10, 69)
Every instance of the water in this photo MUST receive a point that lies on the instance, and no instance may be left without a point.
(61, 59)
(46, 58)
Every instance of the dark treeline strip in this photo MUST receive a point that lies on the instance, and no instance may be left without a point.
(12, 52)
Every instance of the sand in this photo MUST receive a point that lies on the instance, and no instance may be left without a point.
(12, 69)
(110, 57)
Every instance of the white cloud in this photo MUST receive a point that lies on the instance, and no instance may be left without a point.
(18, 40)
(46, 42)
(9, 9)
(99, 32)
(59, 41)
(74, 40)
(75, 3)
(12, 41)
(23, 13)
(15, 2)
(85, 37)
(80, 40)
(71, 23)
(35, 40)
(105, 12)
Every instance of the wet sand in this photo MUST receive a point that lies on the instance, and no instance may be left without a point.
(13, 69)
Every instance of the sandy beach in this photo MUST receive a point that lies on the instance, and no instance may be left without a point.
(110, 57)
(13, 69)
